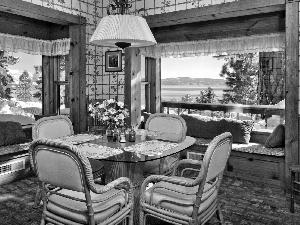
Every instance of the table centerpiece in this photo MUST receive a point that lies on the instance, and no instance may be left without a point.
(110, 113)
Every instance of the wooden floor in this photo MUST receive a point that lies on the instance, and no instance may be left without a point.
(243, 202)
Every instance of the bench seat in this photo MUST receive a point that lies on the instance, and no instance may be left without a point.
(252, 147)
(247, 161)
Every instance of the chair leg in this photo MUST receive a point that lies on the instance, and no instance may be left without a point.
(142, 217)
(220, 215)
(292, 210)
(38, 198)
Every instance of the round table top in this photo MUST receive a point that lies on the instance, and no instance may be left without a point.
(143, 149)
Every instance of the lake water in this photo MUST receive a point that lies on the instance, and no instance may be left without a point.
(169, 92)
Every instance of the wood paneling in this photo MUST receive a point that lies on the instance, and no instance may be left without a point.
(38, 12)
(133, 85)
(229, 27)
(215, 12)
(292, 88)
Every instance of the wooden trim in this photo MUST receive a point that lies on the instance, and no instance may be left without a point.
(292, 89)
(216, 12)
(38, 12)
(133, 85)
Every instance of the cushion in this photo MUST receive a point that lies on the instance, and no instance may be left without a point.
(276, 138)
(11, 133)
(208, 127)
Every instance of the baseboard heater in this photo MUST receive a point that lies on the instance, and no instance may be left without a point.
(12, 166)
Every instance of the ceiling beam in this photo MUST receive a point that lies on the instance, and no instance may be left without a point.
(38, 12)
(230, 27)
(215, 12)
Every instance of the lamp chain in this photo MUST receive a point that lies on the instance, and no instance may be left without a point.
(118, 7)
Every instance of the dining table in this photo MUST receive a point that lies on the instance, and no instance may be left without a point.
(128, 159)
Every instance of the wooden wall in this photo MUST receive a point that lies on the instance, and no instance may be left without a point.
(34, 21)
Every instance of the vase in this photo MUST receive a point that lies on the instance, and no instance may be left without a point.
(112, 133)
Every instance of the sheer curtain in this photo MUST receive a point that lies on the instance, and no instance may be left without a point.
(13, 43)
(237, 45)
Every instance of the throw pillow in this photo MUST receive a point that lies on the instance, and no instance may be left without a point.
(208, 127)
(11, 133)
(276, 138)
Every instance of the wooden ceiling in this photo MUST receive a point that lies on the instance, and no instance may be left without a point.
(235, 19)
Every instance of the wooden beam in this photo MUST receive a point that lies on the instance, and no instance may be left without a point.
(38, 12)
(229, 27)
(77, 59)
(133, 85)
(153, 73)
(292, 89)
(215, 12)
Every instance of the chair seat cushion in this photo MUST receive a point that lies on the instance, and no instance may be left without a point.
(110, 203)
(178, 198)
(152, 167)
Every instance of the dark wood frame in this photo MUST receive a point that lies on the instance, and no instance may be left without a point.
(118, 54)
(35, 21)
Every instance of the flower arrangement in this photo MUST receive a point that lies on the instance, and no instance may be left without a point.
(109, 112)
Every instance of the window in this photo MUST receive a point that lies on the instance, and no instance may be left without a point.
(243, 79)
(21, 85)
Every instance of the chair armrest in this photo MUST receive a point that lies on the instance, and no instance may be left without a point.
(121, 182)
(183, 162)
(172, 180)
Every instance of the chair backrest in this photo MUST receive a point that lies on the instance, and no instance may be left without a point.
(60, 164)
(217, 155)
(213, 166)
(173, 126)
(52, 127)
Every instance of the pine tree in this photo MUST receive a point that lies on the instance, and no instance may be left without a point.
(241, 74)
(24, 87)
(6, 79)
(38, 72)
(206, 96)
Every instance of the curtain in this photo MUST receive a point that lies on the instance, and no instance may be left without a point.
(246, 44)
(13, 43)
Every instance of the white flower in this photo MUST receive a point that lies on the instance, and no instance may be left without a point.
(121, 104)
(111, 101)
(121, 116)
(105, 118)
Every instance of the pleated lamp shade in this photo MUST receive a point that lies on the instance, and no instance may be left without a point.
(123, 31)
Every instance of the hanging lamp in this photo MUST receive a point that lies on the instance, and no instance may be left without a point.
(122, 30)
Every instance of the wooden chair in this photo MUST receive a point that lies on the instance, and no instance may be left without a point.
(181, 200)
(51, 127)
(173, 128)
(77, 198)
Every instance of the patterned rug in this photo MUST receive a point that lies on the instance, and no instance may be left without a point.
(242, 202)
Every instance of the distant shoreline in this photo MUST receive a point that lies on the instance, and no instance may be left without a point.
(170, 92)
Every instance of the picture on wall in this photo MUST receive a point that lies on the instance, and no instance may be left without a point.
(113, 61)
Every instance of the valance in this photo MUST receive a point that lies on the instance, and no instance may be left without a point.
(237, 45)
(13, 43)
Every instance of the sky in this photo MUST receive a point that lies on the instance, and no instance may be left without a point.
(195, 67)
(27, 62)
